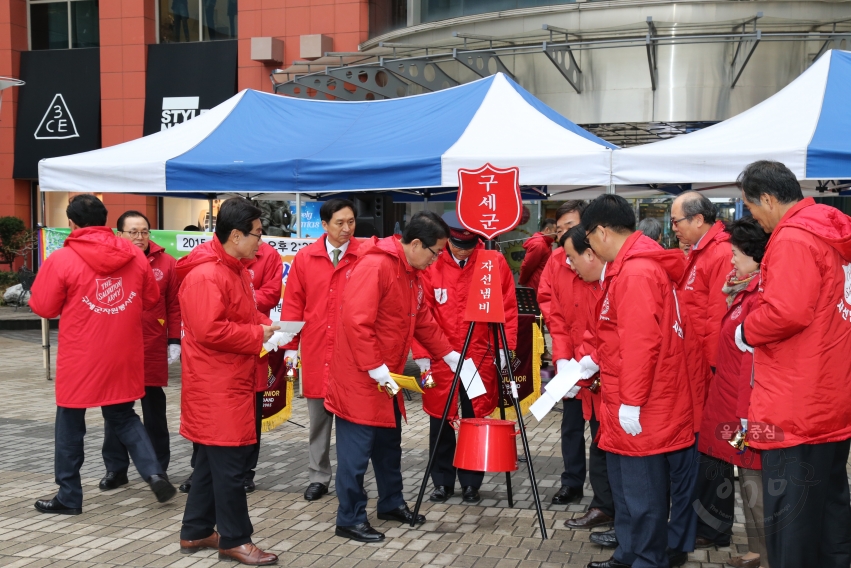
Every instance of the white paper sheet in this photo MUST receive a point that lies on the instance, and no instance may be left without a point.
(543, 405)
(472, 381)
(289, 326)
(564, 381)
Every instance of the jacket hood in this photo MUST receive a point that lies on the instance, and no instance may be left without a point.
(101, 249)
(716, 233)
(673, 262)
(539, 235)
(211, 251)
(154, 248)
(827, 223)
(391, 246)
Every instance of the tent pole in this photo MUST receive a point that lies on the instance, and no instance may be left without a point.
(610, 189)
(298, 234)
(209, 227)
(45, 323)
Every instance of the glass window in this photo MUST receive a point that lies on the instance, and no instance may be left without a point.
(65, 24)
(197, 20)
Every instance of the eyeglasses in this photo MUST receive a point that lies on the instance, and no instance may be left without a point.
(434, 254)
(255, 235)
(137, 234)
(589, 233)
(675, 222)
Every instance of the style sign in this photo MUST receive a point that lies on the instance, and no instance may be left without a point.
(57, 122)
(489, 201)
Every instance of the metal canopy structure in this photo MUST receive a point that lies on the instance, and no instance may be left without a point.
(391, 70)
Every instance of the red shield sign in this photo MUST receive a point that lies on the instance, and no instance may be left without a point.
(110, 291)
(489, 202)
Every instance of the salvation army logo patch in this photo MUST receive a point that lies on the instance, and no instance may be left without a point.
(605, 309)
(158, 274)
(847, 269)
(738, 311)
(440, 295)
(110, 291)
(691, 278)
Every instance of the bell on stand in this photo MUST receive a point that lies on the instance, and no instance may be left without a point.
(426, 380)
(292, 364)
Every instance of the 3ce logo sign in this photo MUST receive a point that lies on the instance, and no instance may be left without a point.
(57, 123)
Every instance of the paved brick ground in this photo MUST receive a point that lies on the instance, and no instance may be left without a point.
(128, 527)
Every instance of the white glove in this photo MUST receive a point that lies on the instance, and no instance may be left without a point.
(561, 365)
(589, 367)
(573, 391)
(629, 419)
(740, 343)
(744, 423)
(381, 375)
(278, 339)
(453, 359)
(173, 353)
(291, 354)
(423, 364)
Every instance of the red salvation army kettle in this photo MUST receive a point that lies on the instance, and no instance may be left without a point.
(486, 445)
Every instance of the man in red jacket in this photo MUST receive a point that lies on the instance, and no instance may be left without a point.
(576, 292)
(646, 423)
(266, 270)
(161, 335)
(800, 333)
(383, 310)
(315, 285)
(538, 248)
(567, 216)
(447, 284)
(693, 220)
(100, 285)
(222, 335)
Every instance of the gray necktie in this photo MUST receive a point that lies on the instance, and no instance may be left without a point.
(336, 253)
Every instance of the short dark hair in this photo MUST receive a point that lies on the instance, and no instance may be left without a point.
(86, 210)
(332, 206)
(651, 228)
(576, 234)
(426, 226)
(770, 178)
(547, 222)
(577, 205)
(748, 237)
(235, 213)
(695, 203)
(192, 228)
(128, 214)
(609, 210)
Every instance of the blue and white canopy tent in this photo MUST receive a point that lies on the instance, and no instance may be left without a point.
(807, 126)
(257, 143)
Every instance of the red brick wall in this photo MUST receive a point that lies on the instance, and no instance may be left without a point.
(126, 29)
(14, 194)
(347, 21)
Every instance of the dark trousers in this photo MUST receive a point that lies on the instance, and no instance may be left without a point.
(115, 456)
(217, 496)
(807, 511)
(70, 429)
(714, 495)
(682, 471)
(599, 474)
(442, 470)
(573, 444)
(640, 490)
(255, 449)
(356, 446)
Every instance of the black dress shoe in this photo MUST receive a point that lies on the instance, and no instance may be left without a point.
(605, 539)
(567, 495)
(676, 558)
(701, 542)
(54, 507)
(610, 563)
(361, 533)
(403, 514)
(593, 518)
(471, 495)
(314, 491)
(113, 480)
(162, 488)
(248, 485)
(441, 493)
(186, 485)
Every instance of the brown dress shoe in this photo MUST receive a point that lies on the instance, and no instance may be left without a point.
(190, 546)
(593, 518)
(248, 554)
(740, 562)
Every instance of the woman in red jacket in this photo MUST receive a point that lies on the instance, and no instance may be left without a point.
(222, 335)
(729, 397)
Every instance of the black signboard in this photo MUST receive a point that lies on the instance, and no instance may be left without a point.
(58, 107)
(185, 80)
